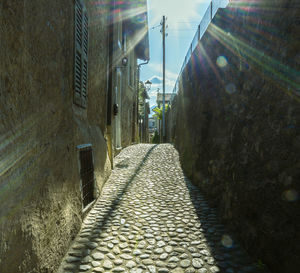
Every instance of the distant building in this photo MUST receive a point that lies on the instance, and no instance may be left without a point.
(168, 98)
(130, 41)
(144, 111)
(152, 125)
(159, 100)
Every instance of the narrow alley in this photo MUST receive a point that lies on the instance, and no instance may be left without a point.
(150, 218)
(149, 136)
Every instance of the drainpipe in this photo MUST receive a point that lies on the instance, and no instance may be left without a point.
(137, 97)
(110, 86)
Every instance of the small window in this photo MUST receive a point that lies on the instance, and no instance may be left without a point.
(81, 36)
(86, 174)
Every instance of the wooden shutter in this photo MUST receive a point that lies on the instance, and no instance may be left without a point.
(81, 54)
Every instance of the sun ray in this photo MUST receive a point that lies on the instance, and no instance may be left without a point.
(19, 153)
(210, 63)
(268, 66)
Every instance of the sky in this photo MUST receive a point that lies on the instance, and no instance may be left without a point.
(183, 18)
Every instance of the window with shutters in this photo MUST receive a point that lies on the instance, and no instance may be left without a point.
(81, 35)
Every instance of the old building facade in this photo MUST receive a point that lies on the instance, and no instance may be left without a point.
(131, 43)
(58, 66)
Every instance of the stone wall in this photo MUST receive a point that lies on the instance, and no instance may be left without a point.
(40, 128)
(237, 127)
(171, 117)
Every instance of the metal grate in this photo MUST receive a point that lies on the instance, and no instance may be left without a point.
(87, 175)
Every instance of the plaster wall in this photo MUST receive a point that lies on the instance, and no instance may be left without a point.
(40, 128)
(129, 96)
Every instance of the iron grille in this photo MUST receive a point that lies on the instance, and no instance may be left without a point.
(87, 176)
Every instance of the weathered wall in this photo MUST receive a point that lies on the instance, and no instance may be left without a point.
(171, 117)
(40, 127)
(129, 91)
(127, 116)
(128, 94)
(237, 127)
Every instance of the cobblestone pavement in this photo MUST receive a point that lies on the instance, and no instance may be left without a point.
(150, 218)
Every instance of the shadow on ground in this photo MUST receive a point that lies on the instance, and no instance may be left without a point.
(92, 229)
(223, 246)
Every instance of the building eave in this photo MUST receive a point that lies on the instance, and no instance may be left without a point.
(136, 23)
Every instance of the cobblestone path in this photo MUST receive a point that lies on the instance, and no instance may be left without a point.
(150, 218)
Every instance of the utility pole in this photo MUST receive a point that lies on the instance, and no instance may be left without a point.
(164, 76)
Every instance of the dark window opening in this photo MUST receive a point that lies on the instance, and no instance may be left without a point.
(87, 175)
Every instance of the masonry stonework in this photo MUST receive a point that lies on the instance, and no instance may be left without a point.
(237, 128)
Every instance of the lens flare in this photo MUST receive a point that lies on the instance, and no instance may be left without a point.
(227, 241)
(230, 88)
(211, 64)
(285, 76)
(221, 61)
(290, 195)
